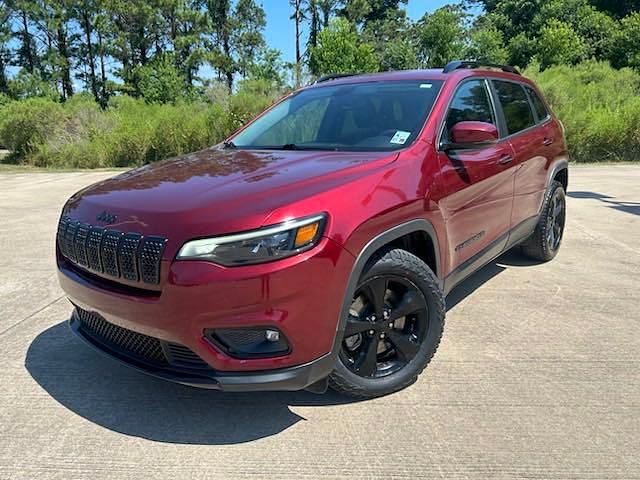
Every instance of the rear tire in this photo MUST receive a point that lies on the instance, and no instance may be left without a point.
(544, 243)
(379, 356)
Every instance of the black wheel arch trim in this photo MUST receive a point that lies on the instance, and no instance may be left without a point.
(375, 244)
(557, 167)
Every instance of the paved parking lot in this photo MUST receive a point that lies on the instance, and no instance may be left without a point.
(538, 374)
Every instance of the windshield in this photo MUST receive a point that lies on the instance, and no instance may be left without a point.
(375, 116)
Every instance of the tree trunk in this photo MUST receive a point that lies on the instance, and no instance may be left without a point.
(67, 84)
(91, 61)
(4, 84)
(103, 73)
(298, 56)
(26, 43)
(226, 47)
(326, 15)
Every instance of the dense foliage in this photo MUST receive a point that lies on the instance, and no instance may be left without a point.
(123, 82)
(599, 106)
(129, 132)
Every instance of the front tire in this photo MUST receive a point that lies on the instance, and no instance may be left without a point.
(544, 243)
(395, 324)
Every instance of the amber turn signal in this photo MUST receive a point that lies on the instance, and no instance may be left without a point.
(306, 234)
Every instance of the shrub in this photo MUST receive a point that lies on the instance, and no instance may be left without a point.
(129, 132)
(599, 107)
(25, 125)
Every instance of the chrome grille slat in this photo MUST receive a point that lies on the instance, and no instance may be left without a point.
(109, 252)
(81, 244)
(69, 239)
(93, 249)
(126, 255)
(150, 255)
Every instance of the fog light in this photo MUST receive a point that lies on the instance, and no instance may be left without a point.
(272, 335)
(249, 342)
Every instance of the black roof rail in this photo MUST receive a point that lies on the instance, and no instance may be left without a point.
(460, 64)
(334, 76)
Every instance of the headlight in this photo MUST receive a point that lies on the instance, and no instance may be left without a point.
(257, 246)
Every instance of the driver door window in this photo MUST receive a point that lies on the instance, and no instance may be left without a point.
(470, 103)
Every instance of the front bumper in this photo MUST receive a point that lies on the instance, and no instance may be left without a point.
(300, 296)
(284, 379)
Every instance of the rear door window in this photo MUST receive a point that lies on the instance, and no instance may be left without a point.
(515, 105)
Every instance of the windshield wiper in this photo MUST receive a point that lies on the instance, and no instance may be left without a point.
(229, 145)
(289, 146)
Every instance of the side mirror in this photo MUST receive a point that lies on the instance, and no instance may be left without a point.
(472, 135)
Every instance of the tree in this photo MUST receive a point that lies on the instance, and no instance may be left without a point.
(236, 36)
(596, 28)
(268, 66)
(297, 17)
(249, 21)
(5, 52)
(441, 36)
(186, 22)
(27, 54)
(521, 49)
(486, 44)
(160, 81)
(361, 12)
(339, 50)
(51, 19)
(626, 50)
(394, 41)
(85, 14)
(133, 34)
(618, 8)
(559, 44)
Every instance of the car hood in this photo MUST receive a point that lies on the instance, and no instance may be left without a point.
(216, 190)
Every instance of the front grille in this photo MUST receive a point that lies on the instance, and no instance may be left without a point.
(137, 345)
(116, 254)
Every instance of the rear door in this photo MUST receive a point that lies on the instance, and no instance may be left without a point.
(478, 184)
(528, 131)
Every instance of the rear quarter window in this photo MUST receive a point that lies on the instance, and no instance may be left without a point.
(515, 106)
(538, 104)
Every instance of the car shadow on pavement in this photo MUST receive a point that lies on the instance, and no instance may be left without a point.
(512, 258)
(627, 207)
(123, 400)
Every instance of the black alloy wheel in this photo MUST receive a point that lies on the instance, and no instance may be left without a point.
(544, 243)
(556, 220)
(388, 320)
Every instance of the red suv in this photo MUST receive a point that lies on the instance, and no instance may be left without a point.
(315, 246)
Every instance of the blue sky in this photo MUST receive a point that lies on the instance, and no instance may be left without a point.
(281, 32)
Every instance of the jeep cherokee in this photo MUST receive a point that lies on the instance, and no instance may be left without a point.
(316, 245)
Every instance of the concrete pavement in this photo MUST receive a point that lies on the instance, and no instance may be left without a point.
(538, 374)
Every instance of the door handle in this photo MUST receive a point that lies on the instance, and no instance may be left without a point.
(506, 160)
(548, 141)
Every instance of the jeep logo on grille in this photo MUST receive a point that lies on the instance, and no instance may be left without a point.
(107, 217)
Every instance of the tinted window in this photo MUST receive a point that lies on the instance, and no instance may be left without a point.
(470, 103)
(360, 116)
(515, 105)
(538, 104)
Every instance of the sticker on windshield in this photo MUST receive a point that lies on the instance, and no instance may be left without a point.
(426, 85)
(400, 137)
